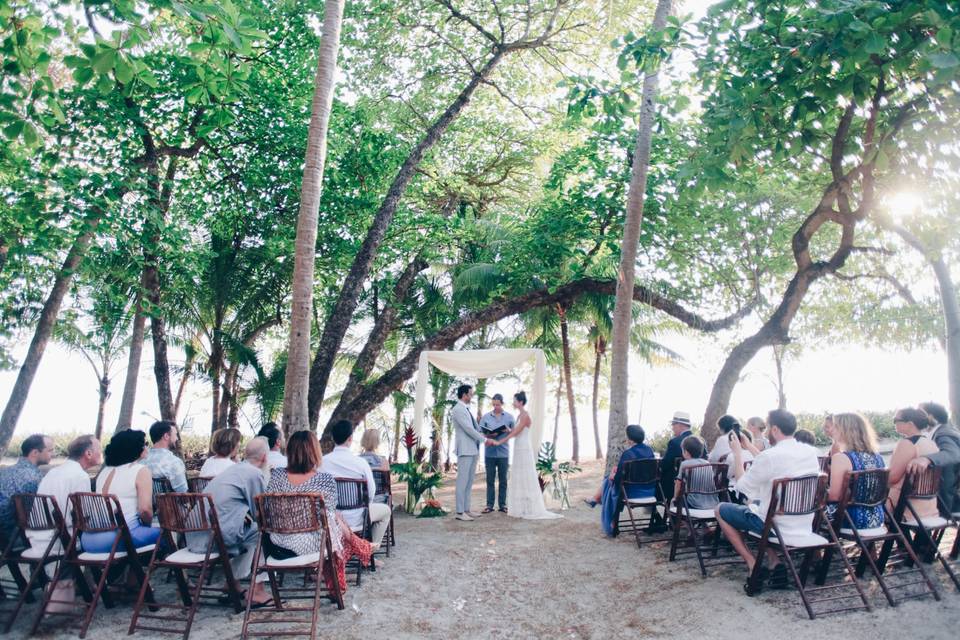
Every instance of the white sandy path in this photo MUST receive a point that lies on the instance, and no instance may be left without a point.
(504, 578)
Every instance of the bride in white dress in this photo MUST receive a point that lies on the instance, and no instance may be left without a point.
(524, 497)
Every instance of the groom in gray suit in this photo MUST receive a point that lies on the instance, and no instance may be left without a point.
(469, 440)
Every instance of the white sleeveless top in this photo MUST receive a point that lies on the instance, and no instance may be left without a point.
(124, 486)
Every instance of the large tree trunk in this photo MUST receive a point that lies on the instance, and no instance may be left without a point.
(127, 401)
(45, 324)
(338, 321)
(599, 346)
(376, 391)
(103, 394)
(382, 327)
(622, 312)
(296, 380)
(160, 198)
(568, 376)
(951, 312)
(951, 321)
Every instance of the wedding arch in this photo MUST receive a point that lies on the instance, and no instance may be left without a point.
(485, 363)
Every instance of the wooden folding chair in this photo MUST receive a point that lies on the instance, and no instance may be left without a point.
(285, 514)
(924, 534)
(96, 513)
(643, 474)
(699, 480)
(353, 494)
(803, 496)
(384, 488)
(869, 489)
(197, 485)
(36, 513)
(179, 515)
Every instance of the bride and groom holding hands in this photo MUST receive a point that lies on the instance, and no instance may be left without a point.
(524, 498)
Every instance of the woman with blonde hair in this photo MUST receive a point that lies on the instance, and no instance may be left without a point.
(757, 428)
(370, 442)
(856, 441)
(224, 445)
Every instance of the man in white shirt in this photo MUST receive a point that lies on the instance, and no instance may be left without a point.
(343, 463)
(70, 477)
(787, 458)
(274, 437)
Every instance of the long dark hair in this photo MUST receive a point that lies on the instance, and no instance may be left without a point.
(126, 446)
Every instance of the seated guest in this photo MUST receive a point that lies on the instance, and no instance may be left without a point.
(786, 458)
(274, 437)
(857, 440)
(83, 453)
(343, 463)
(224, 446)
(233, 491)
(668, 464)
(947, 439)
(729, 429)
(23, 477)
(609, 493)
(804, 436)
(125, 477)
(369, 443)
(162, 462)
(694, 452)
(301, 476)
(757, 427)
(911, 423)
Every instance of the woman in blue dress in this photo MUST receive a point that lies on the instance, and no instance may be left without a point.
(857, 442)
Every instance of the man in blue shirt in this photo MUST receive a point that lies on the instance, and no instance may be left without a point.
(496, 424)
(23, 477)
(609, 494)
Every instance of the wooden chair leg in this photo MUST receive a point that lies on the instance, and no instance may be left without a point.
(92, 607)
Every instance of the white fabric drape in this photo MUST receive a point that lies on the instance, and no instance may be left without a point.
(486, 363)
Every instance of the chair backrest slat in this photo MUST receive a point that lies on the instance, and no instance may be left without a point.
(800, 496)
(287, 513)
(198, 485)
(644, 472)
(352, 494)
(382, 478)
(924, 484)
(867, 488)
(94, 512)
(185, 512)
(37, 512)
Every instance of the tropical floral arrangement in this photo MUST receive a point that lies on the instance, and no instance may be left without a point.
(431, 508)
(557, 475)
(421, 479)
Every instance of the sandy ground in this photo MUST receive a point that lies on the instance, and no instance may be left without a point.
(505, 578)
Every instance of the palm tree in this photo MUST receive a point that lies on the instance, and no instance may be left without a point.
(296, 382)
(623, 309)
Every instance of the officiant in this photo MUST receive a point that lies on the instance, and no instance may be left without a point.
(495, 425)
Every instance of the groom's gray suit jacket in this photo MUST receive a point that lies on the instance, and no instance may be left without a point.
(469, 438)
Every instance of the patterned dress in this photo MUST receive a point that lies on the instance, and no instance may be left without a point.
(863, 517)
(346, 544)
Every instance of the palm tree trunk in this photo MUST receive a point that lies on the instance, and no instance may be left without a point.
(397, 424)
(125, 420)
(778, 361)
(622, 312)
(184, 379)
(297, 378)
(556, 415)
(45, 324)
(599, 346)
(4, 252)
(104, 393)
(571, 401)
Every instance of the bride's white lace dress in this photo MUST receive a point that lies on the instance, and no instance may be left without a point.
(524, 498)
